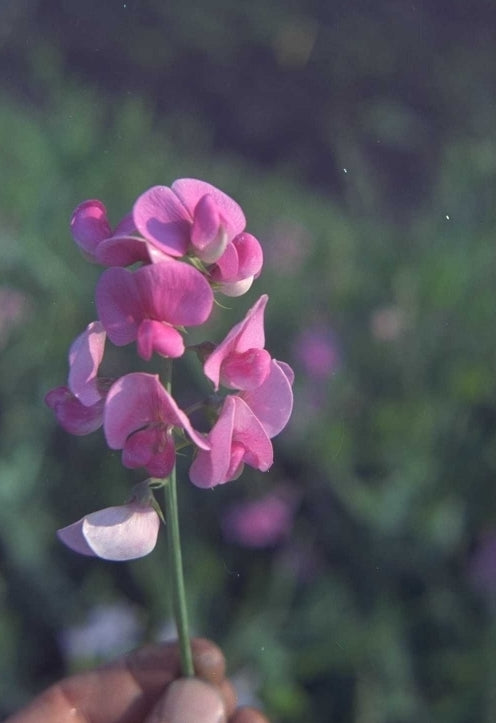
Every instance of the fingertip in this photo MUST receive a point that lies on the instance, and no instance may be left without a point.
(248, 715)
(208, 660)
(189, 700)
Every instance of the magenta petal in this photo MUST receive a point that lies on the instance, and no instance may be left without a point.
(85, 356)
(174, 292)
(272, 402)
(89, 225)
(115, 533)
(118, 305)
(247, 370)
(249, 431)
(73, 416)
(122, 251)
(250, 255)
(210, 468)
(247, 334)
(155, 336)
(208, 236)
(162, 219)
(191, 190)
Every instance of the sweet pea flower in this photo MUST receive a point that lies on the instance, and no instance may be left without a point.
(125, 532)
(72, 415)
(145, 305)
(139, 418)
(242, 433)
(240, 360)
(189, 217)
(259, 523)
(239, 265)
(85, 357)
(93, 234)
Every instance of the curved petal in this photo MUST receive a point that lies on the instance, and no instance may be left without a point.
(161, 218)
(152, 448)
(174, 292)
(236, 288)
(118, 305)
(250, 432)
(155, 336)
(85, 357)
(191, 190)
(247, 370)
(122, 251)
(137, 400)
(250, 255)
(272, 402)
(73, 416)
(119, 533)
(247, 334)
(210, 468)
(89, 225)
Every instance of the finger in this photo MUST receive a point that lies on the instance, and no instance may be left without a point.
(189, 700)
(248, 715)
(124, 691)
(229, 696)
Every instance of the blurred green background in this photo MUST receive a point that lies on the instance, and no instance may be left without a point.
(360, 139)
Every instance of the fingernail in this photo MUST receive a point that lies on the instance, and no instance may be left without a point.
(189, 700)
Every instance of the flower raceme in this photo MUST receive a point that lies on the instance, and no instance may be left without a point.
(184, 244)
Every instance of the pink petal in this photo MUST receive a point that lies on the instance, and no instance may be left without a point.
(89, 225)
(155, 336)
(208, 236)
(152, 448)
(235, 288)
(171, 291)
(137, 400)
(247, 370)
(272, 402)
(73, 416)
(247, 334)
(85, 356)
(191, 190)
(210, 468)
(119, 533)
(250, 255)
(122, 251)
(249, 431)
(162, 219)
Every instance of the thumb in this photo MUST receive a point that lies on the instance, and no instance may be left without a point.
(189, 700)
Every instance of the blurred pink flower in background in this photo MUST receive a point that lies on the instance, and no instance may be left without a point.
(317, 351)
(260, 523)
(14, 307)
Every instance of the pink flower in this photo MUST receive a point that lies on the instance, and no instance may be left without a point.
(243, 431)
(139, 418)
(240, 263)
(190, 217)
(240, 361)
(261, 523)
(146, 304)
(318, 352)
(99, 244)
(118, 533)
(73, 415)
(85, 357)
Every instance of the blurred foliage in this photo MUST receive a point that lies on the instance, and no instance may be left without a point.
(360, 140)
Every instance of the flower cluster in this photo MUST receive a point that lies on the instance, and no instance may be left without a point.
(184, 244)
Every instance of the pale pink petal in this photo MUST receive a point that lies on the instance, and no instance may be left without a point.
(272, 402)
(155, 336)
(119, 533)
(85, 357)
(288, 371)
(89, 225)
(191, 190)
(161, 218)
(73, 416)
(247, 370)
(234, 289)
(209, 468)
(247, 334)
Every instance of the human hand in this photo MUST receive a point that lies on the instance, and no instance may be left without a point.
(144, 687)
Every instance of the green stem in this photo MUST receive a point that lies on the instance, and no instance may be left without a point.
(175, 562)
